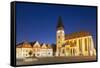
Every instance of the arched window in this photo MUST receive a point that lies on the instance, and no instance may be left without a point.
(75, 42)
(86, 41)
(80, 44)
(73, 51)
(63, 51)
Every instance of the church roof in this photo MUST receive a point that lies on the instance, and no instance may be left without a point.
(76, 35)
(60, 23)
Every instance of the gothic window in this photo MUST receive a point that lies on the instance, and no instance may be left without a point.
(74, 42)
(59, 42)
(72, 52)
(86, 44)
(80, 44)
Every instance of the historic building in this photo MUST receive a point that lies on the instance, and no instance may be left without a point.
(33, 49)
(23, 50)
(42, 50)
(75, 44)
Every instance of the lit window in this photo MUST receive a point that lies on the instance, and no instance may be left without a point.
(86, 44)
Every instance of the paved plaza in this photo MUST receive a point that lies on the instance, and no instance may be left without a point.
(47, 60)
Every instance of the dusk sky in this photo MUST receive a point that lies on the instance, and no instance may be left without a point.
(37, 22)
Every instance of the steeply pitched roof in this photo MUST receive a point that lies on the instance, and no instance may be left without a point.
(60, 23)
(44, 46)
(77, 35)
(31, 44)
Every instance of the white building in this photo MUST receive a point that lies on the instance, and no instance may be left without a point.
(33, 49)
(24, 50)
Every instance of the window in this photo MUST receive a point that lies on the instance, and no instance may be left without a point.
(86, 44)
(74, 51)
(58, 37)
(80, 44)
(49, 53)
(37, 54)
(74, 42)
(71, 52)
(63, 51)
(58, 41)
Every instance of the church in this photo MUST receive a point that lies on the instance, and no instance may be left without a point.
(75, 44)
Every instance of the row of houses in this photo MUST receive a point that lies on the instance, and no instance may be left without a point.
(33, 49)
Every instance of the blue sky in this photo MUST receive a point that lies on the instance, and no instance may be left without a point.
(37, 22)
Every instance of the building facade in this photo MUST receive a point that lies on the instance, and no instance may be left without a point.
(75, 44)
(33, 49)
(24, 50)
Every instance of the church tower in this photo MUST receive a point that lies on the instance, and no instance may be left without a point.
(60, 36)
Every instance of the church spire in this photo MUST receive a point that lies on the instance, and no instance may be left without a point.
(60, 23)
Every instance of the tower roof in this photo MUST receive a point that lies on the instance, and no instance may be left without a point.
(60, 23)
